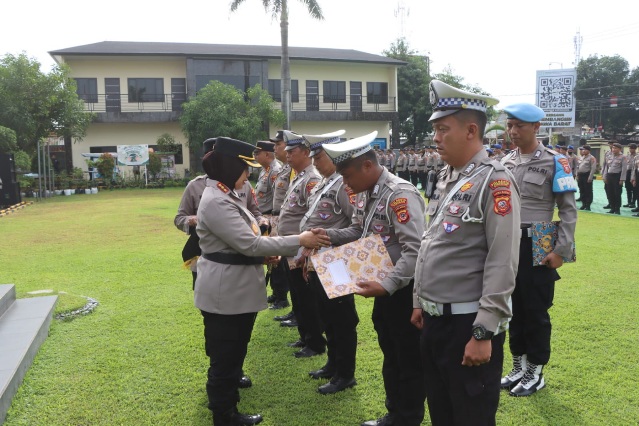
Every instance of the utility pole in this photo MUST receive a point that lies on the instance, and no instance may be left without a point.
(402, 13)
(578, 39)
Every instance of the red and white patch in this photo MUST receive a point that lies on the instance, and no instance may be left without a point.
(310, 186)
(324, 216)
(379, 207)
(325, 204)
(454, 209)
(351, 195)
(225, 189)
(399, 204)
(502, 202)
(360, 204)
(450, 227)
(379, 228)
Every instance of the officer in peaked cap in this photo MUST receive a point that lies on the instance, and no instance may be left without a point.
(229, 290)
(613, 173)
(394, 209)
(292, 211)
(265, 155)
(630, 160)
(546, 180)
(331, 205)
(585, 175)
(466, 266)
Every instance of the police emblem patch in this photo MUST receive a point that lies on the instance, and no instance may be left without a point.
(450, 227)
(379, 207)
(310, 186)
(499, 183)
(324, 216)
(379, 228)
(360, 204)
(325, 205)
(454, 209)
(502, 202)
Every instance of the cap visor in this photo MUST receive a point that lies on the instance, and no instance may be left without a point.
(291, 147)
(439, 114)
(314, 152)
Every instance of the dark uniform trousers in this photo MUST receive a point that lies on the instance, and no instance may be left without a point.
(339, 317)
(306, 310)
(226, 339)
(421, 177)
(459, 395)
(585, 188)
(401, 369)
(530, 326)
(404, 175)
(279, 283)
(615, 190)
(630, 190)
(414, 178)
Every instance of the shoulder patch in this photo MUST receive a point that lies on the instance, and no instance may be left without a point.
(400, 207)
(465, 187)
(352, 197)
(225, 189)
(502, 202)
(499, 183)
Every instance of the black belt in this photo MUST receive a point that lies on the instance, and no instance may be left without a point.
(233, 258)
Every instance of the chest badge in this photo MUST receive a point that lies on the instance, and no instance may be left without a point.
(450, 227)
(465, 187)
(454, 209)
(324, 216)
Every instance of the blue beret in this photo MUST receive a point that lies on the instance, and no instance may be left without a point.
(489, 151)
(496, 146)
(528, 113)
(571, 147)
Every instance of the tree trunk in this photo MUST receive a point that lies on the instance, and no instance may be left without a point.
(286, 66)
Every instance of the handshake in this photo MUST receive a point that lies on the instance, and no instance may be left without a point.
(314, 239)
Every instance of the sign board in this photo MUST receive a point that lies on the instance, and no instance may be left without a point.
(556, 96)
(133, 155)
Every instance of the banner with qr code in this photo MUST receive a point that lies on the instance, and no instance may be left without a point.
(556, 96)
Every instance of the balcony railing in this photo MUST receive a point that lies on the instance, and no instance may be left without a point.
(173, 102)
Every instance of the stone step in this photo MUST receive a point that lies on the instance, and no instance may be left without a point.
(7, 297)
(23, 328)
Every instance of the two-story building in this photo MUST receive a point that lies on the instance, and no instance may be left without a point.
(136, 90)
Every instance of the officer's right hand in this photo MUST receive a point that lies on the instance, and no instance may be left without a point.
(312, 240)
(417, 319)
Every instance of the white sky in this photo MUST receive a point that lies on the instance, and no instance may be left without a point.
(496, 45)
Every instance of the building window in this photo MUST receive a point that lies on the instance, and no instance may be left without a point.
(275, 90)
(334, 91)
(87, 89)
(376, 93)
(101, 149)
(146, 89)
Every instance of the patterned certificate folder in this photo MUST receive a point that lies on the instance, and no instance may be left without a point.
(340, 268)
(544, 238)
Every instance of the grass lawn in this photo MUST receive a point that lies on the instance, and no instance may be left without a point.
(138, 359)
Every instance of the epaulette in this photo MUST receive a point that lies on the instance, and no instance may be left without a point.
(552, 151)
(494, 163)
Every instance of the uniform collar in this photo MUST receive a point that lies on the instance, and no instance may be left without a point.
(377, 188)
(480, 157)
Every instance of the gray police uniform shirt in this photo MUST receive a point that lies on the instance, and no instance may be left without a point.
(329, 208)
(401, 163)
(264, 186)
(630, 164)
(411, 163)
(615, 164)
(421, 163)
(573, 160)
(470, 250)
(587, 164)
(296, 202)
(225, 225)
(545, 181)
(635, 169)
(431, 162)
(394, 209)
(189, 202)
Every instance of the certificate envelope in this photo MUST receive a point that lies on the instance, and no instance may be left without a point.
(340, 268)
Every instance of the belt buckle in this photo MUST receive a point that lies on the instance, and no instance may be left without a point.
(429, 307)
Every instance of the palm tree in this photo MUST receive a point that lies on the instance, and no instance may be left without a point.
(280, 8)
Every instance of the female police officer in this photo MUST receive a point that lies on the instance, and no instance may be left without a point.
(230, 287)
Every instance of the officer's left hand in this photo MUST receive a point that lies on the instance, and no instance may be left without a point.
(553, 261)
(620, 183)
(371, 289)
(477, 352)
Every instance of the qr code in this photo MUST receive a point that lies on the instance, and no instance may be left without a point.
(556, 93)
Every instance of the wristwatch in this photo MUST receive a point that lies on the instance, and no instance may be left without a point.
(480, 333)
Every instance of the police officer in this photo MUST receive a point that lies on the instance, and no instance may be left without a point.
(573, 159)
(634, 178)
(613, 173)
(607, 186)
(331, 205)
(265, 156)
(630, 190)
(420, 163)
(293, 209)
(412, 166)
(402, 165)
(499, 154)
(394, 209)
(585, 175)
(229, 290)
(466, 265)
(545, 180)
(279, 276)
